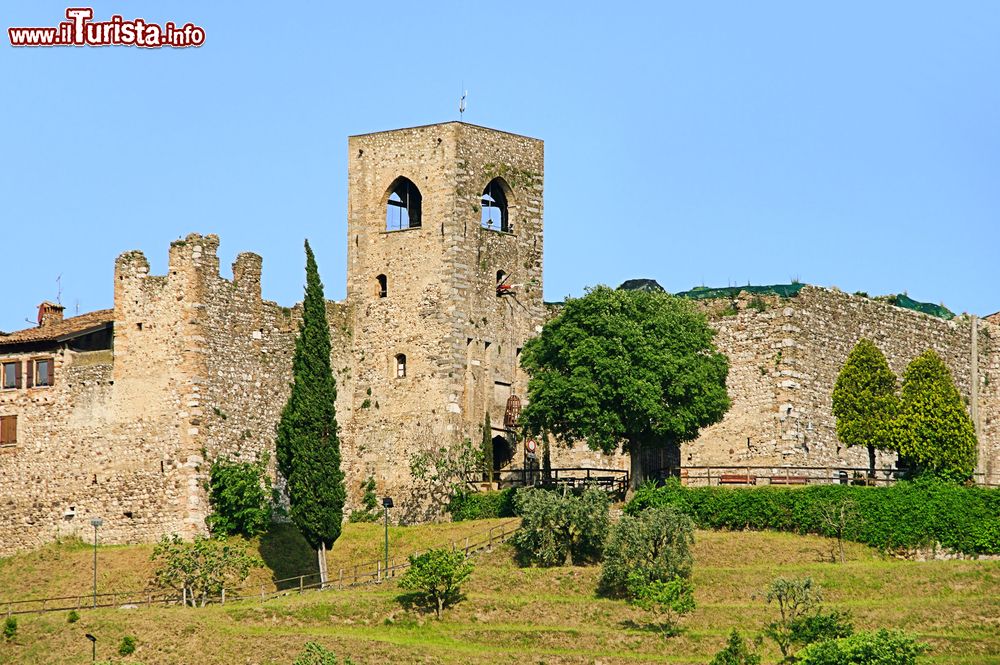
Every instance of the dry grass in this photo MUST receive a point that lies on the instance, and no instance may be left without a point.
(536, 616)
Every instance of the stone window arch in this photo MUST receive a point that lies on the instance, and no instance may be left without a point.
(495, 213)
(400, 365)
(382, 286)
(403, 205)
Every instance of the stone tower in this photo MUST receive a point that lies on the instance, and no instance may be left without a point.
(444, 285)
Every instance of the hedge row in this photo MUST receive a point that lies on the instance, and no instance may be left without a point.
(482, 505)
(904, 516)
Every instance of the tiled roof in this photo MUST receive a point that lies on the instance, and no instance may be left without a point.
(58, 331)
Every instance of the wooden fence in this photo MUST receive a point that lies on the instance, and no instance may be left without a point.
(373, 572)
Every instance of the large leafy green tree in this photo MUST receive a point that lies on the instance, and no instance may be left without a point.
(629, 368)
(933, 430)
(308, 451)
(864, 400)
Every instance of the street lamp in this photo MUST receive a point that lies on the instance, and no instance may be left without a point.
(96, 522)
(387, 504)
(93, 647)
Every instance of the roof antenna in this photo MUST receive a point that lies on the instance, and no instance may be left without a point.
(461, 103)
(59, 289)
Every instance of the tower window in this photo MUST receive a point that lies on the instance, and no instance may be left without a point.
(402, 210)
(383, 286)
(400, 365)
(494, 206)
(503, 288)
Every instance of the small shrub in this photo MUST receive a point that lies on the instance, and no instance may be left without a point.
(73, 616)
(10, 628)
(868, 648)
(127, 646)
(757, 304)
(369, 503)
(668, 599)
(317, 654)
(736, 652)
(801, 620)
(482, 505)
(436, 578)
(557, 529)
(239, 495)
(654, 546)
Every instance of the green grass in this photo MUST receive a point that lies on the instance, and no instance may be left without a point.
(527, 615)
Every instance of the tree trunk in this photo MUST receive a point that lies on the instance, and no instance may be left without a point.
(321, 556)
(440, 606)
(871, 461)
(635, 464)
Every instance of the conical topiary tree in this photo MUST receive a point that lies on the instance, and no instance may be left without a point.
(933, 430)
(864, 400)
(308, 451)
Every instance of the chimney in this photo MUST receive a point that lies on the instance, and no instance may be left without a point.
(49, 313)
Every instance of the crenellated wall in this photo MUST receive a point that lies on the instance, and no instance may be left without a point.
(784, 362)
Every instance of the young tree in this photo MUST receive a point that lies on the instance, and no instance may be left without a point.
(308, 451)
(445, 471)
(654, 545)
(736, 652)
(933, 430)
(201, 568)
(883, 647)
(864, 400)
(802, 620)
(437, 577)
(625, 367)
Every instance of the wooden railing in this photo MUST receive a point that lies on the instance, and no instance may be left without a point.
(372, 572)
(749, 474)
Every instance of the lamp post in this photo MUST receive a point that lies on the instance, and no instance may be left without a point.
(93, 648)
(386, 505)
(96, 522)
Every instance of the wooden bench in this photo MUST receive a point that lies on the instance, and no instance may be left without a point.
(737, 479)
(789, 480)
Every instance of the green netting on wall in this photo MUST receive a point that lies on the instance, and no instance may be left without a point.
(939, 311)
(704, 292)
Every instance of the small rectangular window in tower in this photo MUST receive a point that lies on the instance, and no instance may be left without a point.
(8, 430)
(383, 286)
(11, 375)
(400, 366)
(43, 372)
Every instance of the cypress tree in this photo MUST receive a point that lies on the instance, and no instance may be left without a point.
(864, 400)
(933, 430)
(488, 448)
(308, 451)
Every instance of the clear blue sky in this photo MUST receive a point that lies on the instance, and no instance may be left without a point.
(853, 144)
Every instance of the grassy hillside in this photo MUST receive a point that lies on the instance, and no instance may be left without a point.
(513, 614)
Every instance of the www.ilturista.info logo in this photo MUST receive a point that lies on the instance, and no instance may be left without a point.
(79, 30)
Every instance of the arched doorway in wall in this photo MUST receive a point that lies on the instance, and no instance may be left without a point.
(503, 452)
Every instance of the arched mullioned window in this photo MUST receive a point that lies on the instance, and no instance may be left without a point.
(382, 286)
(402, 210)
(494, 206)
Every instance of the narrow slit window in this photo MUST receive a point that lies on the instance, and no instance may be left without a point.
(494, 207)
(400, 365)
(403, 207)
(382, 287)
